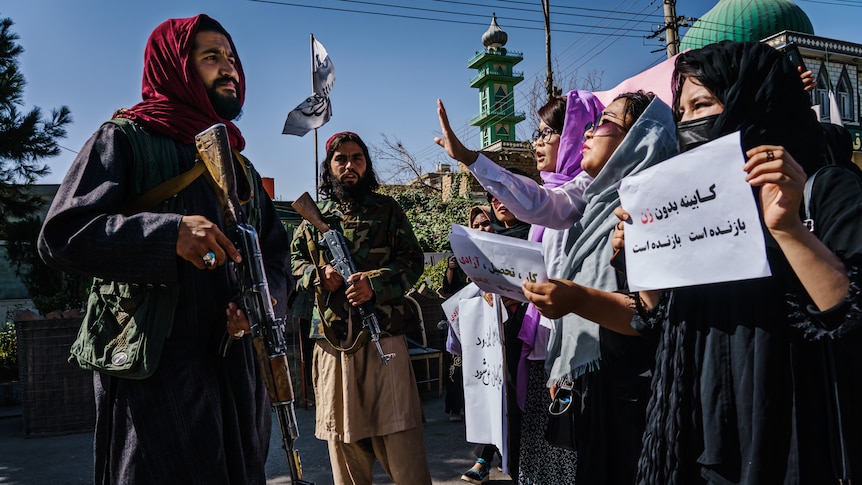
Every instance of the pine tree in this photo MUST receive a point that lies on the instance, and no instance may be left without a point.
(25, 137)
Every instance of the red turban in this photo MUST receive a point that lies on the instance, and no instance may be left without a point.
(175, 103)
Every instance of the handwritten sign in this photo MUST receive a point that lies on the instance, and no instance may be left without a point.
(498, 264)
(452, 312)
(694, 220)
(484, 372)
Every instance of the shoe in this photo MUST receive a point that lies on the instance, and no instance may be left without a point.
(456, 416)
(477, 476)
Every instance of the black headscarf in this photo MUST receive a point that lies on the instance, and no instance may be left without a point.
(516, 228)
(763, 97)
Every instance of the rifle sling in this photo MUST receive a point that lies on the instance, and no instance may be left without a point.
(361, 339)
(165, 190)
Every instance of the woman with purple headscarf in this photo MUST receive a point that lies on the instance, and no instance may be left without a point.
(552, 208)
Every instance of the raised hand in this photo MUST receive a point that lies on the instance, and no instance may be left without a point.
(453, 146)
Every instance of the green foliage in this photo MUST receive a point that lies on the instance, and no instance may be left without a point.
(51, 289)
(8, 347)
(25, 137)
(431, 216)
(433, 275)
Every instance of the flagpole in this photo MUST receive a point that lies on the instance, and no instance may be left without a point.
(316, 160)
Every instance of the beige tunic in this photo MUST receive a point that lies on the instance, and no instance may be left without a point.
(358, 397)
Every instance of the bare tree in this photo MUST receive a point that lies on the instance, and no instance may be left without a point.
(592, 81)
(395, 164)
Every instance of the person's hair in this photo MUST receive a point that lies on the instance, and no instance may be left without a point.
(685, 70)
(553, 113)
(762, 95)
(327, 180)
(636, 104)
(207, 24)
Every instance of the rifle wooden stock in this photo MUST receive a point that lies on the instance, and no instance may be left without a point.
(213, 148)
(250, 276)
(309, 211)
(275, 372)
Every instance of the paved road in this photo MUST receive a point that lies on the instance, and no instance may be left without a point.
(68, 459)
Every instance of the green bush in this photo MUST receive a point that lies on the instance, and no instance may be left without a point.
(8, 353)
(433, 275)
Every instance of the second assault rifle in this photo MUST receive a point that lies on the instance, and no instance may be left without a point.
(333, 241)
(250, 279)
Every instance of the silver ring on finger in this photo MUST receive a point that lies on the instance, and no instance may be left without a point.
(209, 259)
(770, 156)
(238, 335)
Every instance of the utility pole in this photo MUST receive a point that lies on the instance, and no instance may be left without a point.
(669, 32)
(671, 28)
(549, 73)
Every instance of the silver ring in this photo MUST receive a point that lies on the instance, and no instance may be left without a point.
(209, 259)
(770, 156)
(239, 334)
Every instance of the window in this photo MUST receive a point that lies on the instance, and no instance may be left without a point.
(501, 97)
(844, 96)
(821, 92)
(502, 131)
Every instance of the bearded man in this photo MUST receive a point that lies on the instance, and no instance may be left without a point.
(365, 409)
(194, 414)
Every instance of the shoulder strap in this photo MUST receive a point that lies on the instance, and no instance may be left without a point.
(156, 167)
(165, 190)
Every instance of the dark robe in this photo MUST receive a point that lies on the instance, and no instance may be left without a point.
(738, 394)
(200, 418)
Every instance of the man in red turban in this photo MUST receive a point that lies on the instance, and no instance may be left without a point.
(170, 408)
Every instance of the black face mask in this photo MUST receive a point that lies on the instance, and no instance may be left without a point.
(694, 133)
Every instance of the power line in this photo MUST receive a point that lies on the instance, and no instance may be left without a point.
(415, 17)
(579, 14)
(522, 90)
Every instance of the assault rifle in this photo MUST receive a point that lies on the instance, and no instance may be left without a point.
(333, 241)
(250, 279)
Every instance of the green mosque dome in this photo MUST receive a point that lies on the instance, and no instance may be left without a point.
(746, 20)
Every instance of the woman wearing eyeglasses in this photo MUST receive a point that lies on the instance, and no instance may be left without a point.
(610, 370)
(558, 154)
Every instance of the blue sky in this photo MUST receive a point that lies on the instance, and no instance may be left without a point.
(390, 67)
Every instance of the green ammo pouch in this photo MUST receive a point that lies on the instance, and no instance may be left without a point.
(125, 328)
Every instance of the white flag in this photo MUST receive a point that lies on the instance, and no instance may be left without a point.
(834, 114)
(324, 72)
(315, 111)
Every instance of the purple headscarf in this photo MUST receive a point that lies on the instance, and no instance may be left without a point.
(582, 107)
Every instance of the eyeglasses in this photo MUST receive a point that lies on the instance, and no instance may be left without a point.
(544, 134)
(603, 127)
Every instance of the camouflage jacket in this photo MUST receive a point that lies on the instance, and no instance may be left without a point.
(382, 245)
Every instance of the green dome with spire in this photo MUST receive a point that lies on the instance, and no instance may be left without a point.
(746, 20)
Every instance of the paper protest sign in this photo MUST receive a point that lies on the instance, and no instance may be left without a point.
(498, 264)
(484, 373)
(694, 220)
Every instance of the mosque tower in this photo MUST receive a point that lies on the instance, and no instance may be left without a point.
(496, 82)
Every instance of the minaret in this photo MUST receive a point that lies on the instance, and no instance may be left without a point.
(496, 82)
